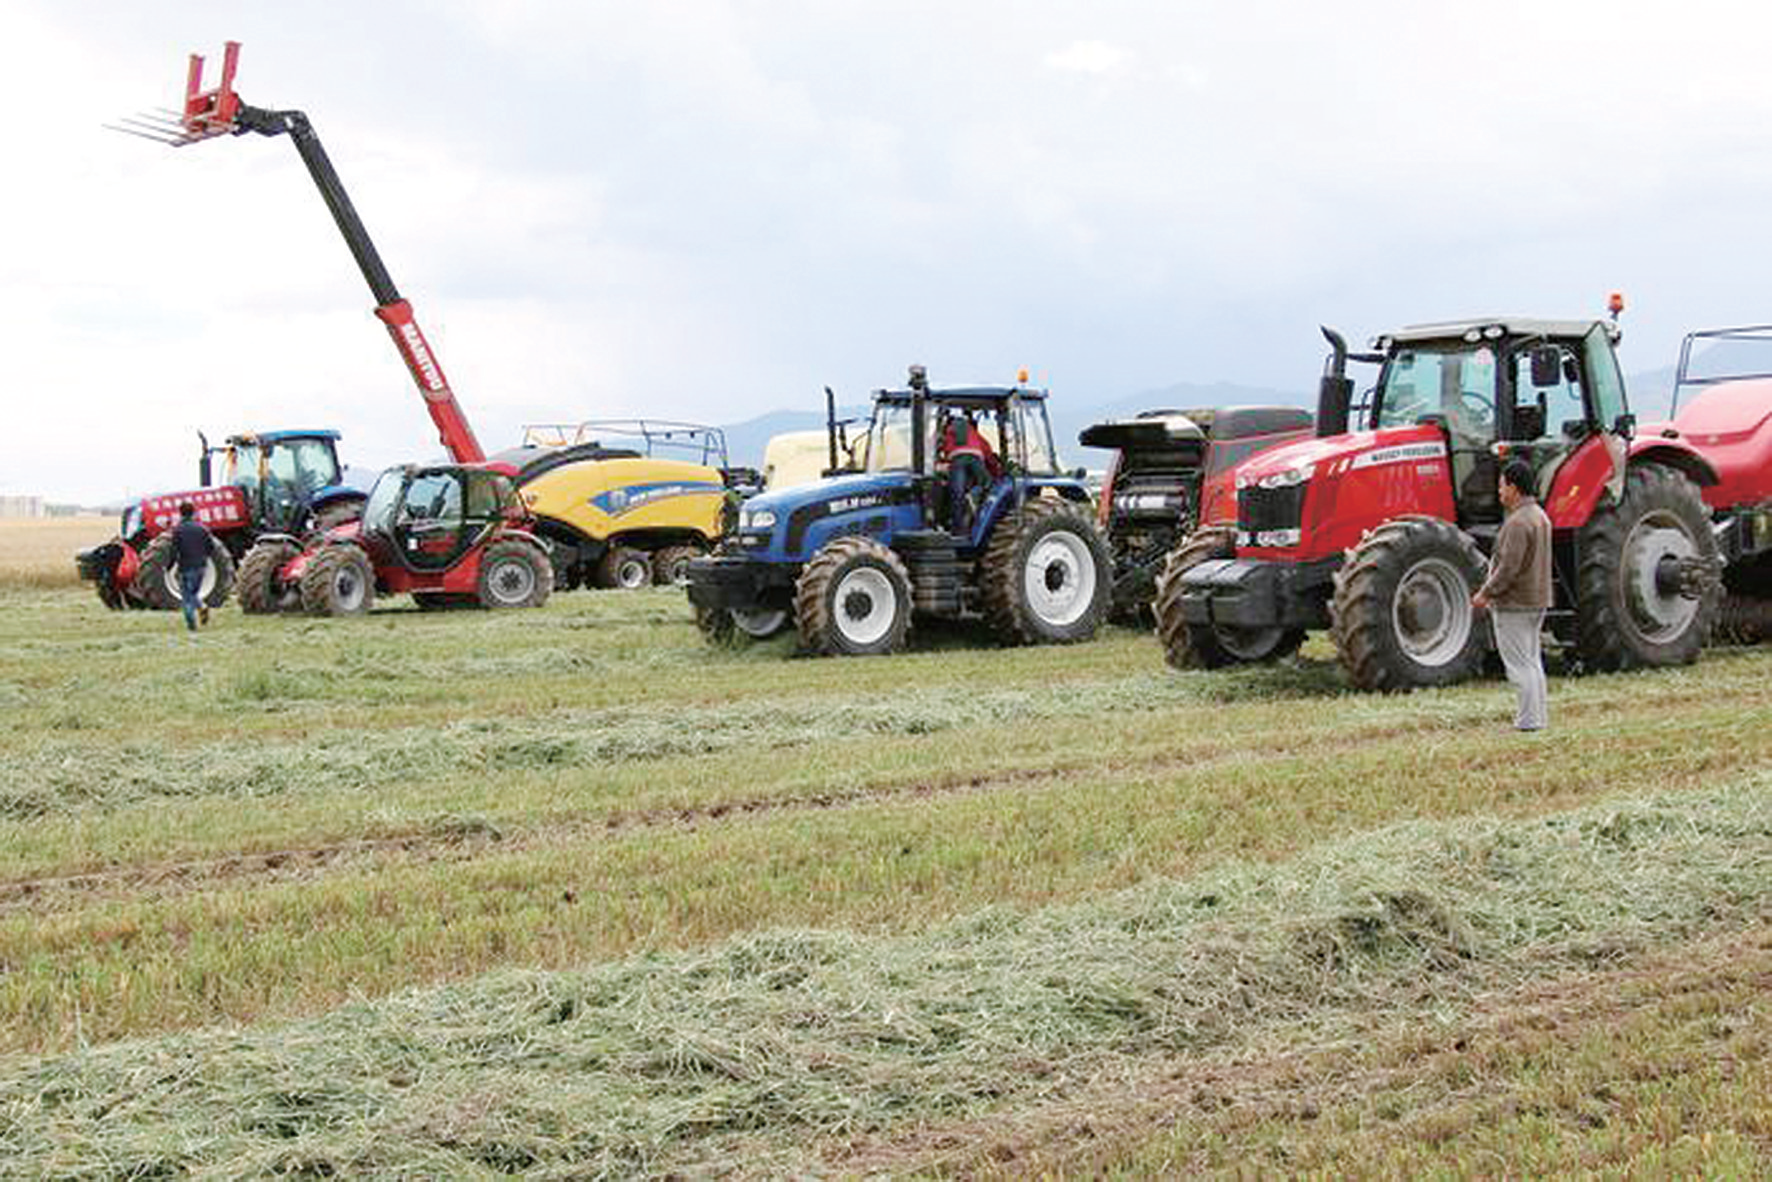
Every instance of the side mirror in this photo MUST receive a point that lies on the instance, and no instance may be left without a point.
(1625, 426)
(1547, 366)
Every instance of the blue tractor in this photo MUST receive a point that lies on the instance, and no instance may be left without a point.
(956, 508)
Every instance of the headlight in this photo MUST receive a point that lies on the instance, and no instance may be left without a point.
(1271, 537)
(1286, 479)
(756, 519)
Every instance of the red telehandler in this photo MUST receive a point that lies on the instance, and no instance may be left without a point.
(447, 533)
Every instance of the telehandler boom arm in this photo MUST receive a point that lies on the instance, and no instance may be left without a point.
(221, 112)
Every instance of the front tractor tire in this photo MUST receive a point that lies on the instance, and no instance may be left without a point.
(263, 590)
(623, 568)
(670, 566)
(853, 599)
(724, 626)
(1210, 646)
(1401, 611)
(338, 581)
(1647, 589)
(514, 573)
(1046, 574)
(156, 580)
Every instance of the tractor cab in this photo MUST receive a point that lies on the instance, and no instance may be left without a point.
(966, 449)
(289, 478)
(427, 518)
(1495, 390)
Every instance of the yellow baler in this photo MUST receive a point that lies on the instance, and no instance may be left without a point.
(614, 517)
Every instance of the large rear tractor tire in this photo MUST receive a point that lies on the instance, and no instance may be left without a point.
(670, 566)
(1647, 589)
(853, 599)
(263, 591)
(514, 573)
(1046, 574)
(1401, 612)
(623, 568)
(156, 580)
(338, 581)
(1210, 646)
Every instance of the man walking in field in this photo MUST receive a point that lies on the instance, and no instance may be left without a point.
(1518, 591)
(191, 540)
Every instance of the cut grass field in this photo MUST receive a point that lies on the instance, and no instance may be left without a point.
(567, 891)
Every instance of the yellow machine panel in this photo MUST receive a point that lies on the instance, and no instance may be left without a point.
(610, 498)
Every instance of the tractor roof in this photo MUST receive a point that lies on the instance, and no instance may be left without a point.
(282, 436)
(1512, 326)
(975, 396)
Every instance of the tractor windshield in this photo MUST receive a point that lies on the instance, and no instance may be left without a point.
(889, 437)
(293, 471)
(1029, 441)
(1455, 384)
(384, 499)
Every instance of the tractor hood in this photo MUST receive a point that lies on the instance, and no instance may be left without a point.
(221, 509)
(1294, 463)
(1149, 433)
(824, 492)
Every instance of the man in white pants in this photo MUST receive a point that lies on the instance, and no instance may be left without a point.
(1518, 591)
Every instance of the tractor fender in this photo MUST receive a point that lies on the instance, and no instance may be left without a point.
(341, 536)
(129, 562)
(1675, 453)
(1583, 478)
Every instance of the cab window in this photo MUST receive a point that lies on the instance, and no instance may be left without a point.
(1608, 383)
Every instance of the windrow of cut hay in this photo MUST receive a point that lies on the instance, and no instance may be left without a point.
(750, 1050)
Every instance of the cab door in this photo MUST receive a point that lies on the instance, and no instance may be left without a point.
(430, 527)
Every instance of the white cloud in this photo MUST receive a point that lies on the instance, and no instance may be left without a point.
(711, 208)
(1089, 57)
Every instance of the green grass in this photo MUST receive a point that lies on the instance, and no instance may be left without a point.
(256, 826)
(745, 1050)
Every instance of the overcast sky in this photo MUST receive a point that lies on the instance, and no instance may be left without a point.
(708, 210)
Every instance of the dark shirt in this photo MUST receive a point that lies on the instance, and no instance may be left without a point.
(192, 540)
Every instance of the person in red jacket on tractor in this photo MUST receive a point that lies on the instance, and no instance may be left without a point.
(972, 468)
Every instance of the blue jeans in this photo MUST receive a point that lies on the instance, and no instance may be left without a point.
(190, 584)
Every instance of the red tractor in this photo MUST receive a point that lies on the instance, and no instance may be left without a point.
(271, 482)
(1378, 528)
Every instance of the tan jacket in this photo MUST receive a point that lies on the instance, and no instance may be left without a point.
(1520, 569)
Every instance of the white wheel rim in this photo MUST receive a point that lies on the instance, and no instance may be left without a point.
(1656, 615)
(759, 622)
(863, 605)
(1431, 612)
(511, 581)
(632, 574)
(175, 586)
(347, 587)
(1059, 578)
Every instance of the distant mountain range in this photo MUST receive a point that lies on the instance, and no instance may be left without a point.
(1650, 392)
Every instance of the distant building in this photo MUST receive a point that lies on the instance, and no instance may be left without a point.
(19, 506)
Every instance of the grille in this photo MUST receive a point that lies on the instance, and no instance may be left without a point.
(1263, 510)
